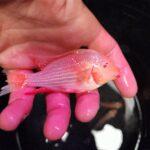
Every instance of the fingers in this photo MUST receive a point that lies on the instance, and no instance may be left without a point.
(87, 105)
(58, 115)
(105, 44)
(19, 107)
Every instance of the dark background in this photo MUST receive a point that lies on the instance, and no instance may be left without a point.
(128, 21)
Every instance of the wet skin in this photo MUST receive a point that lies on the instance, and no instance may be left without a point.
(34, 30)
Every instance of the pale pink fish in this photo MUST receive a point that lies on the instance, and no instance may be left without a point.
(74, 72)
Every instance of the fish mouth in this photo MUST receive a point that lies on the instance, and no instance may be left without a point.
(29, 55)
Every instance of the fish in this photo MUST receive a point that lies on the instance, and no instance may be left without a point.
(74, 72)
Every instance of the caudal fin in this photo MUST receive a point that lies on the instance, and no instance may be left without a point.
(15, 80)
(5, 90)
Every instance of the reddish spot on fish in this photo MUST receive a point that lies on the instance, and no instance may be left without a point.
(39, 90)
(105, 65)
(118, 76)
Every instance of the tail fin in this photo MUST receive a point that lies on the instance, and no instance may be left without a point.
(15, 80)
(5, 90)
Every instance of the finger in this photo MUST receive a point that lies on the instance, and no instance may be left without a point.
(105, 44)
(19, 107)
(58, 115)
(87, 105)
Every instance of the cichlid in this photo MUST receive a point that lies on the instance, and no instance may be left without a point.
(74, 72)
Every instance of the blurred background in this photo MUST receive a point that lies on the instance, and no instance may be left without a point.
(120, 123)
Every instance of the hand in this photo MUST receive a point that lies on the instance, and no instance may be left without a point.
(33, 30)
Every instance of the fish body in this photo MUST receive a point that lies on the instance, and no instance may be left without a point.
(75, 72)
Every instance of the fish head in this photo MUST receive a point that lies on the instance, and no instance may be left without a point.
(104, 73)
(94, 74)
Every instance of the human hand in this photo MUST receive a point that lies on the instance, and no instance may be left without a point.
(33, 30)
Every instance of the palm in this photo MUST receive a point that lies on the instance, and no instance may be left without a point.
(60, 30)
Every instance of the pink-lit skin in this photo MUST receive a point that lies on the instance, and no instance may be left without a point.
(18, 108)
(83, 112)
(58, 115)
(49, 28)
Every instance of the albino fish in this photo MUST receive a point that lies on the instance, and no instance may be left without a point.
(75, 72)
